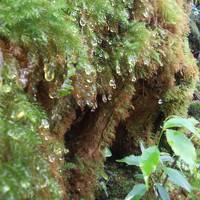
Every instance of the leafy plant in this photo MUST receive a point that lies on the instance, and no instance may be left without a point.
(159, 168)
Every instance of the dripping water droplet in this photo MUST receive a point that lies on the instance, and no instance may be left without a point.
(104, 98)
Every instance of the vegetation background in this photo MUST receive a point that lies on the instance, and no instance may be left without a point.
(78, 78)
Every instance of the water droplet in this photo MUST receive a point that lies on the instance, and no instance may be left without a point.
(51, 158)
(112, 84)
(93, 110)
(160, 101)
(61, 159)
(99, 68)
(110, 97)
(23, 77)
(130, 70)
(104, 98)
(133, 79)
(89, 80)
(46, 138)
(44, 124)
(99, 40)
(82, 22)
(146, 14)
(49, 72)
(94, 107)
(94, 42)
(118, 70)
(132, 60)
(146, 61)
(89, 69)
(106, 55)
(66, 151)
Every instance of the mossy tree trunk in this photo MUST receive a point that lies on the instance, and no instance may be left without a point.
(106, 74)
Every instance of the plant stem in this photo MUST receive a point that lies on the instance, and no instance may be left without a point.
(166, 178)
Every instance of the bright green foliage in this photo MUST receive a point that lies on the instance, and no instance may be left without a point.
(39, 25)
(107, 153)
(131, 160)
(154, 163)
(149, 161)
(182, 147)
(137, 192)
(84, 49)
(177, 121)
(24, 170)
(162, 192)
(178, 178)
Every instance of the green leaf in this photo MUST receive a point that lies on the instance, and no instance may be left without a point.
(162, 192)
(149, 161)
(137, 192)
(107, 153)
(182, 146)
(131, 160)
(181, 122)
(104, 187)
(165, 157)
(194, 121)
(178, 178)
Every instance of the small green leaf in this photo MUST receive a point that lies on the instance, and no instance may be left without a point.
(177, 121)
(182, 146)
(131, 160)
(104, 187)
(137, 192)
(149, 161)
(178, 178)
(107, 153)
(162, 192)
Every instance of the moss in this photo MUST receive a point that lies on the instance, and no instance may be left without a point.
(120, 181)
(194, 110)
(25, 170)
(71, 55)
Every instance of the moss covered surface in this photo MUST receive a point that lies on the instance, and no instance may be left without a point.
(92, 66)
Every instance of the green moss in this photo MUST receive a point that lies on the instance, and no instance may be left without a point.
(167, 8)
(24, 170)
